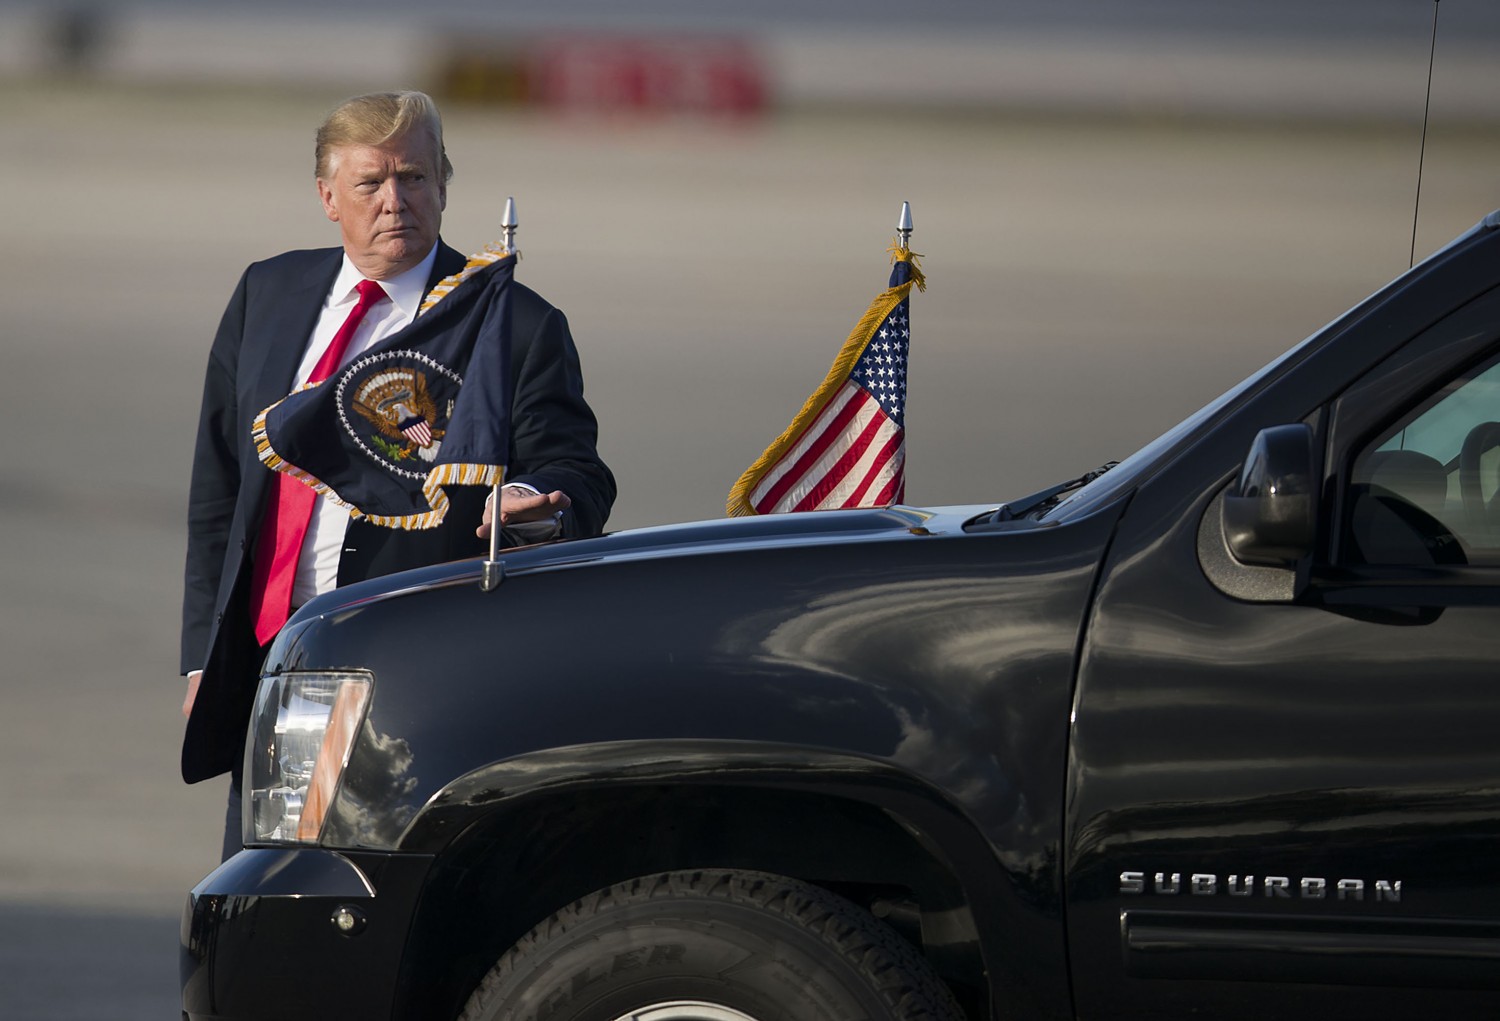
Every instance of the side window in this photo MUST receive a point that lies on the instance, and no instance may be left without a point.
(1427, 490)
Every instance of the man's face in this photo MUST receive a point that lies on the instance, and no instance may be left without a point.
(388, 201)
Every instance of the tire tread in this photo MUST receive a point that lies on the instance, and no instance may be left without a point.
(893, 967)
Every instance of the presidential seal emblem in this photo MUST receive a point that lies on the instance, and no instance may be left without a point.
(399, 406)
(395, 407)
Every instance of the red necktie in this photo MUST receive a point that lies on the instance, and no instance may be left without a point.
(289, 510)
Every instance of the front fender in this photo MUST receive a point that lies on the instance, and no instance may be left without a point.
(949, 657)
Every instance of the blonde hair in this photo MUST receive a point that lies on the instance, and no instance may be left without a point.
(376, 119)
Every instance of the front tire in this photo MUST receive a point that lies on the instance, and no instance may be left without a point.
(711, 945)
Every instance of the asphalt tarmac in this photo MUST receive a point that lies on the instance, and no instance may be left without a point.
(1090, 283)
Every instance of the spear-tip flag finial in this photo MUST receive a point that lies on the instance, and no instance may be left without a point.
(903, 225)
(508, 225)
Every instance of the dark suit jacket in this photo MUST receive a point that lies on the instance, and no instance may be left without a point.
(251, 366)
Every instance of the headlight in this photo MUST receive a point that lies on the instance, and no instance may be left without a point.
(301, 732)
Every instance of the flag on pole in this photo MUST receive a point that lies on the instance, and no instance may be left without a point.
(847, 446)
(427, 407)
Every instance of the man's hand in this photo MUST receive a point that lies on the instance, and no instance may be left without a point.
(518, 506)
(192, 692)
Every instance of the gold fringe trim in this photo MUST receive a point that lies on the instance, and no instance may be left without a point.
(738, 503)
(899, 254)
(492, 252)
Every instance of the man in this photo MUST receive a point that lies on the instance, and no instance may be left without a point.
(382, 176)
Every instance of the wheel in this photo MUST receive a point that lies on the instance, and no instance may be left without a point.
(711, 945)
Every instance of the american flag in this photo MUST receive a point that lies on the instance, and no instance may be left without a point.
(847, 447)
(417, 430)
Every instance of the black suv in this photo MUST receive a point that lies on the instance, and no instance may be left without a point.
(1213, 732)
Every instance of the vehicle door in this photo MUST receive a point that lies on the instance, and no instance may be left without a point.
(1284, 797)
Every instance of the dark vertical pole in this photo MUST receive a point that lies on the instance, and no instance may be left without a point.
(494, 571)
(1422, 153)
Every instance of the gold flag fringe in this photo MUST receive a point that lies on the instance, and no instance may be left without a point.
(491, 253)
(438, 477)
(738, 503)
(913, 259)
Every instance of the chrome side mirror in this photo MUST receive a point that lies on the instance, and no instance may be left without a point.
(1270, 517)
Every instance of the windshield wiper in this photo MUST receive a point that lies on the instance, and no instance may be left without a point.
(1039, 503)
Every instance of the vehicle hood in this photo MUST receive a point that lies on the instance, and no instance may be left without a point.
(695, 538)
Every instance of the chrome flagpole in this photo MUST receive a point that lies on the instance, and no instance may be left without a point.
(903, 225)
(494, 570)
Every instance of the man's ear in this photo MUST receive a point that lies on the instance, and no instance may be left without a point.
(330, 206)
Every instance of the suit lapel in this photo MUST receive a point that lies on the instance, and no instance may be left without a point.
(283, 318)
(283, 326)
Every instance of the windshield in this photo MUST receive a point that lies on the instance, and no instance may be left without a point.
(1130, 470)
